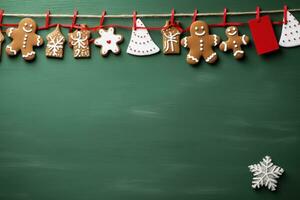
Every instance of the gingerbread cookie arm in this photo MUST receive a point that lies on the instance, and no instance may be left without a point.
(11, 32)
(224, 46)
(214, 40)
(186, 42)
(245, 39)
(37, 40)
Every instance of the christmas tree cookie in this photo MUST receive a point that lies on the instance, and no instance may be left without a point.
(141, 43)
(290, 35)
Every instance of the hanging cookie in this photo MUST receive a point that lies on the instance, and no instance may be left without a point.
(79, 41)
(108, 41)
(200, 43)
(171, 39)
(141, 43)
(1, 41)
(55, 45)
(234, 42)
(290, 34)
(24, 39)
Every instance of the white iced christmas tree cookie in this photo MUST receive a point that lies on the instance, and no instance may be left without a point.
(141, 43)
(265, 174)
(290, 35)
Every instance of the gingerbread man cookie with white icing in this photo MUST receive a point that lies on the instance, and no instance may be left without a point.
(234, 42)
(200, 43)
(24, 38)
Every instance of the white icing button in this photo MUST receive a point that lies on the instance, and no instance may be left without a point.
(201, 45)
(201, 49)
(235, 46)
(234, 42)
(201, 40)
(24, 46)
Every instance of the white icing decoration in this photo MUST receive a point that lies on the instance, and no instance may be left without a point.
(290, 34)
(185, 44)
(225, 46)
(170, 40)
(28, 54)
(215, 40)
(38, 41)
(237, 52)
(10, 30)
(192, 57)
(108, 41)
(79, 41)
(141, 43)
(211, 57)
(11, 50)
(244, 39)
(55, 44)
(265, 174)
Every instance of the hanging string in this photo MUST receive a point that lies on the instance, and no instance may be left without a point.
(1, 18)
(172, 23)
(102, 19)
(172, 16)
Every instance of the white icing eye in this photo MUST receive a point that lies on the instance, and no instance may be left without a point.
(30, 25)
(233, 28)
(196, 28)
(25, 24)
(228, 30)
(202, 27)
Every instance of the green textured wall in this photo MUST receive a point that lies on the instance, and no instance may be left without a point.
(133, 128)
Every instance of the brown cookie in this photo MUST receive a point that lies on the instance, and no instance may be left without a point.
(171, 39)
(55, 45)
(234, 42)
(24, 38)
(200, 43)
(79, 41)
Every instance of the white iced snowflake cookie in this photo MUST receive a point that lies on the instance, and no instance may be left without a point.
(141, 43)
(290, 34)
(265, 174)
(108, 41)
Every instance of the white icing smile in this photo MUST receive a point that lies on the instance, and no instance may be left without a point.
(232, 33)
(200, 34)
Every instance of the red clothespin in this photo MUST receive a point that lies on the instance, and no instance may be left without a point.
(224, 17)
(172, 17)
(258, 13)
(195, 15)
(1, 18)
(75, 13)
(102, 19)
(134, 20)
(285, 9)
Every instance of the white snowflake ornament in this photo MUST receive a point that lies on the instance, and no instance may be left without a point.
(108, 41)
(141, 43)
(265, 174)
(290, 34)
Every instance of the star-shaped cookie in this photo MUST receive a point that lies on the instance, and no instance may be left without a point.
(108, 41)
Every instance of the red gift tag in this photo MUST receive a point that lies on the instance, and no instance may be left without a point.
(263, 35)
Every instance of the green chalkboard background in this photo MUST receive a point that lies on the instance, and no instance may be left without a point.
(132, 128)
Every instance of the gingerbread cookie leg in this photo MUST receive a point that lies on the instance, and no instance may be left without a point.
(12, 49)
(28, 53)
(210, 56)
(193, 57)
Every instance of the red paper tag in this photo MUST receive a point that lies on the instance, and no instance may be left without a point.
(263, 35)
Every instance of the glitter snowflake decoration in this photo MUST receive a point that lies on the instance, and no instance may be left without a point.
(265, 174)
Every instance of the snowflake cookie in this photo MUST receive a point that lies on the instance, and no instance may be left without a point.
(108, 41)
(265, 174)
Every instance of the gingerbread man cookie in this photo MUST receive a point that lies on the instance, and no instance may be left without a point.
(234, 42)
(200, 43)
(108, 41)
(24, 38)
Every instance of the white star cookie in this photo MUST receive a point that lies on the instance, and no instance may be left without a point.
(108, 41)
